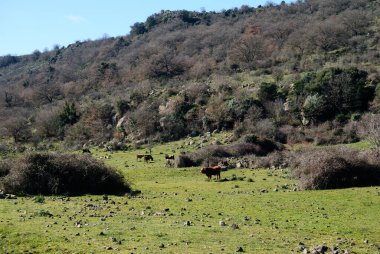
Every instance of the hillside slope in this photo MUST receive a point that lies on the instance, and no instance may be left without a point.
(184, 72)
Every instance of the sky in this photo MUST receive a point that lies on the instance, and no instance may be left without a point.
(29, 25)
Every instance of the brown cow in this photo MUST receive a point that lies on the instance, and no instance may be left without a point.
(148, 157)
(139, 156)
(210, 171)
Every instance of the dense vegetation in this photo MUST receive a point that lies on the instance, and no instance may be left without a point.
(300, 72)
(60, 174)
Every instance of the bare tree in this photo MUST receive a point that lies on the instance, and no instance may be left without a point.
(370, 128)
(249, 50)
(18, 128)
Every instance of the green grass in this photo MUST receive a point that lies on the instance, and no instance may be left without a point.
(275, 221)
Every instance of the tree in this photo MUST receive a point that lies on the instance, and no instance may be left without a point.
(18, 128)
(48, 123)
(166, 64)
(69, 115)
(371, 128)
(249, 50)
(47, 93)
(315, 109)
(267, 92)
(345, 89)
(355, 21)
(138, 28)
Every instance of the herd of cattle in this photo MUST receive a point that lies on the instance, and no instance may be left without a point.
(208, 171)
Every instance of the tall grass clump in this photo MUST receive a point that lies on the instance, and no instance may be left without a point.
(338, 168)
(60, 174)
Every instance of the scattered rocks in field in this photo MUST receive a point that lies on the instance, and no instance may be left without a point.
(320, 249)
(234, 226)
(222, 223)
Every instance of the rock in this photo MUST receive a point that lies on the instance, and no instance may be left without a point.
(301, 246)
(188, 200)
(120, 122)
(216, 143)
(161, 245)
(321, 248)
(187, 223)
(10, 196)
(222, 223)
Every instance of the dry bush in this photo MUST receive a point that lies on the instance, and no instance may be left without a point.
(277, 159)
(183, 161)
(5, 168)
(337, 168)
(211, 155)
(60, 174)
(332, 133)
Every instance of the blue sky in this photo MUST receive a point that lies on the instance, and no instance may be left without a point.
(28, 25)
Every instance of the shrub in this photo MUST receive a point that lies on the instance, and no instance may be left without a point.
(182, 161)
(5, 168)
(267, 92)
(277, 159)
(39, 199)
(333, 168)
(43, 213)
(60, 174)
(211, 155)
(249, 138)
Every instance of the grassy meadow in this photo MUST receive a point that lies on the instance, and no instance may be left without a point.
(179, 211)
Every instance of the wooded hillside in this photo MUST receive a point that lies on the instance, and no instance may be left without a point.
(307, 71)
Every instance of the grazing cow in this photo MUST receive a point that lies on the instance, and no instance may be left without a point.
(210, 171)
(139, 156)
(148, 157)
(86, 150)
(169, 157)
